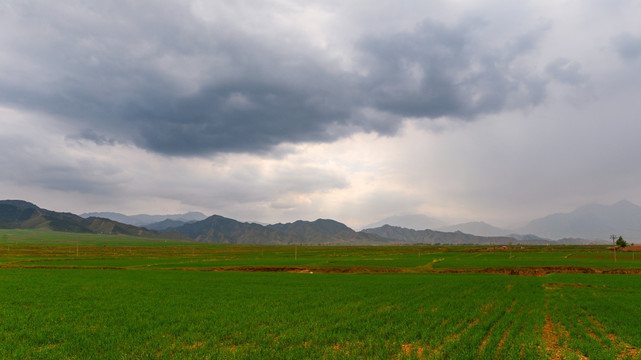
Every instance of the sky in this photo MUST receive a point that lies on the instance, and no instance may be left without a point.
(274, 111)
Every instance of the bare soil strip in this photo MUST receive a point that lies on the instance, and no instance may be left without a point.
(301, 269)
(486, 338)
(520, 271)
(551, 338)
(553, 284)
(541, 270)
(499, 348)
(410, 348)
(591, 333)
(53, 260)
(5, 266)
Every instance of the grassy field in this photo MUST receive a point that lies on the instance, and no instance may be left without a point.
(106, 297)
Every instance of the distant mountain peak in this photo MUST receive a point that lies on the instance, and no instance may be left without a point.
(316, 228)
(478, 228)
(593, 221)
(626, 204)
(410, 221)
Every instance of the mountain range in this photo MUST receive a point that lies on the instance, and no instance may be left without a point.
(591, 222)
(433, 237)
(586, 224)
(320, 232)
(18, 214)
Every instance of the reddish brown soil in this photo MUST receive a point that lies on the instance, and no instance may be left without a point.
(551, 336)
(541, 270)
(526, 271)
(553, 284)
(523, 271)
(631, 248)
(60, 267)
(301, 269)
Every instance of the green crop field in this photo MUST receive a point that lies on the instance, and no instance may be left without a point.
(72, 296)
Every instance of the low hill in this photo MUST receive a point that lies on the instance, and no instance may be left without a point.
(18, 214)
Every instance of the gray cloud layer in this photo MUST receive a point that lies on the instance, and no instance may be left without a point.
(158, 76)
(275, 108)
(628, 46)
(566, 71)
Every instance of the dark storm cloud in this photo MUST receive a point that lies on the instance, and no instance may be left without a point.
(438, 71)
(248, 95)
(157, 76)
(242, 116)
(628, 46)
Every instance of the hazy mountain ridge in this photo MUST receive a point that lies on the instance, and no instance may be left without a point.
(165, 225)
(433, 237)
(440, 237)
(478, 228)
(145, 219)
(413, 221)
(592, 221)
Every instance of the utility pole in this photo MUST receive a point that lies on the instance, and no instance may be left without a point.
(614, 247)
